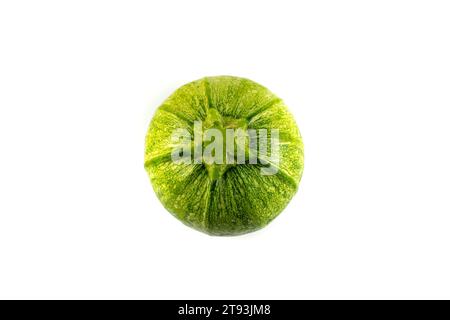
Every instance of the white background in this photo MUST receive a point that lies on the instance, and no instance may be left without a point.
(367, 81)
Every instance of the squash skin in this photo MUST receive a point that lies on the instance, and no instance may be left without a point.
(239, 200)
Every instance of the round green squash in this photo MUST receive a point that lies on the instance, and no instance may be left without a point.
(224, 199)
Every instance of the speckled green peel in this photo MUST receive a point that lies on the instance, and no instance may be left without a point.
(223, 199)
